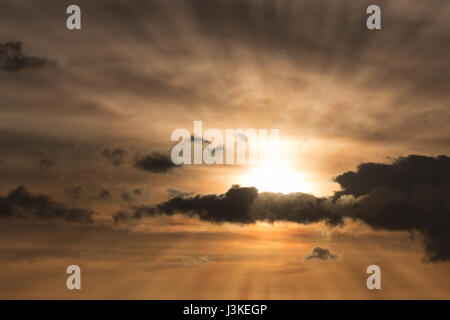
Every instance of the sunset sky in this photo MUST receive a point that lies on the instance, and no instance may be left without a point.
(86, 178)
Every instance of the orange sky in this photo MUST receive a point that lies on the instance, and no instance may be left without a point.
(339, 94)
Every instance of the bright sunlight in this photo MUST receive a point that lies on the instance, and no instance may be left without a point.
(275, 177)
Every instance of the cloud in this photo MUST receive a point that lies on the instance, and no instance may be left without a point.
(233, 206)
(133, 195)
(104, 195)
(404, 174)
(13, 60)
(115, 156)
(46, 163)
(319, 253)
(244, 205)
(411, 194)
(173, 192)
(299, 30)
(126, 196)
(156, 163)
(297, 207)
(77, 193)
(21, 204)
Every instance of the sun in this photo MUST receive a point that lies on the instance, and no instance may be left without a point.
(275, 177)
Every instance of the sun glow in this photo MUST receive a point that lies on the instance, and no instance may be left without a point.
(275, 177)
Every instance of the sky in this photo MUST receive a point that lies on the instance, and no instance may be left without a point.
(363, 177)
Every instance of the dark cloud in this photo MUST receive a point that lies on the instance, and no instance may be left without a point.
(13, 60)
(296, 207)
(404, 174)
(424, 209)
(233, 206)
(115, 156)
(156, 163)
(21, 204)
(133, 195)
(46, 163)
(245, 205)
(104, 195)
(319, 253)
(412, 194)
(77, 193)
(173, 192)
(126, 196)
(121, 217)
